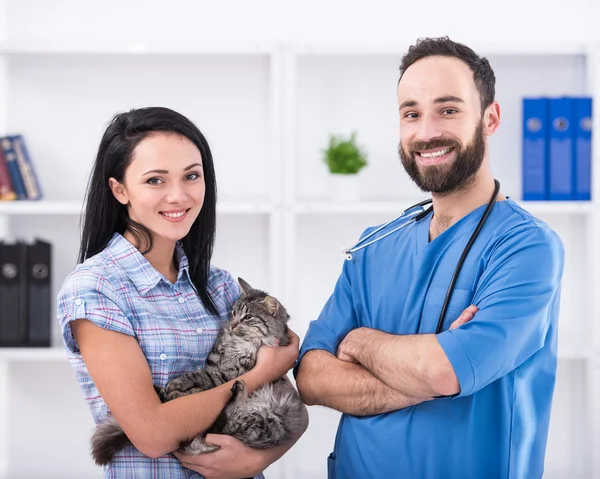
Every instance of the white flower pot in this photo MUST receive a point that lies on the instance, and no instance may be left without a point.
(344, 188)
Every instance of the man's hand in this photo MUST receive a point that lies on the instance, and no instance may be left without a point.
(234, 460)
(465, 317)
(349, 348)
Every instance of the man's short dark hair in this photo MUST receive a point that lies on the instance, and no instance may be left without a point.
(484, 77)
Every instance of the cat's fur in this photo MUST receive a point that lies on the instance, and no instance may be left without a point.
(269, 417)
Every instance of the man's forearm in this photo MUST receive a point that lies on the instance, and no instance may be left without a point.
(347, 387)
(415, 365)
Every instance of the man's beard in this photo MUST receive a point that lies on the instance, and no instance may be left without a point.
(443, 179)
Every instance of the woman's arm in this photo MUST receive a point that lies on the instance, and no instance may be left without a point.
(120, 371)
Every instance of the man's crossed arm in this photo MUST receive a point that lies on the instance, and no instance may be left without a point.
(376, 372)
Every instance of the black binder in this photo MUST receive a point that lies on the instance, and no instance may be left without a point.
(38, 294)
(13, 294)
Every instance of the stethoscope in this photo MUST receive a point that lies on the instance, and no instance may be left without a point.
(416, 213)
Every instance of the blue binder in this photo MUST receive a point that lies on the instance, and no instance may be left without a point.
(583, 148)
(535, 149)
(561, 157)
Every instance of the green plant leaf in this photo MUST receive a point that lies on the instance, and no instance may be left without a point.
(344, 156)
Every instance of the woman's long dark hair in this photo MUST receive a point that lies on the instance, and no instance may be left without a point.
(104, 215)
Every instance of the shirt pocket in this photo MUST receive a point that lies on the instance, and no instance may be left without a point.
(432, 308)
(159, 345)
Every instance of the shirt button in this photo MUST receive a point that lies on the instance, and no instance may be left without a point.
(199, 330)
(163, 356)
(78, 302)
(182, 300)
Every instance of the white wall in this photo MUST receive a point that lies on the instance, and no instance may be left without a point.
(242, 80)
(310, 20)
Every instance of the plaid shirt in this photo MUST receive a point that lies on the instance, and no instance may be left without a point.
(118, 289)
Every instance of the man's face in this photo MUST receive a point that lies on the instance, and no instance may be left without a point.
(442, 132)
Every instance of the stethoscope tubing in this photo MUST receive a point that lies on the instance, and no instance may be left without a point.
(414, 216)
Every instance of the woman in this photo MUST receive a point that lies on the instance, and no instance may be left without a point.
(145, 305)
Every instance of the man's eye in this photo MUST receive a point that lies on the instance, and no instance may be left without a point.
(450, 111)
(411, 115)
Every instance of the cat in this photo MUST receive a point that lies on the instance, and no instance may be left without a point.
(269, 417)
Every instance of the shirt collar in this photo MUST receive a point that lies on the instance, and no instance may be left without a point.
(139, 270)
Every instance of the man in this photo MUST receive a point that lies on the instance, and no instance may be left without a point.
(474, 400)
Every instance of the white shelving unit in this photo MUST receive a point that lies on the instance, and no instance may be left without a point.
(267, 111)
(60, 208)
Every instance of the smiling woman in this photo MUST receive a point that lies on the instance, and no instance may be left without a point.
(145, 304)
(165, 201)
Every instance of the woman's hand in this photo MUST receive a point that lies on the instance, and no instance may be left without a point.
(233, 460)
(274, 362)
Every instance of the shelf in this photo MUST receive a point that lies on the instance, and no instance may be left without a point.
(40, 207)
(558, 207)
(14, 208)
(571, 346)
(264, 48)
(325, 207)
(33, 354)
(134, 48)
(247, 207)
(483, 48)
(534, 207)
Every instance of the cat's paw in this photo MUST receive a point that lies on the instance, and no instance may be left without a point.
(161, 393)
(239, 389)
(198, 446)
(178, 387)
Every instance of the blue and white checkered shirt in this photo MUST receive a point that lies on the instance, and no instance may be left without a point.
(118, 289)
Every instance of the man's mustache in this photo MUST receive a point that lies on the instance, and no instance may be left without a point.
(436, 143)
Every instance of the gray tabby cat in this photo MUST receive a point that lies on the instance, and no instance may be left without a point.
(268, 418)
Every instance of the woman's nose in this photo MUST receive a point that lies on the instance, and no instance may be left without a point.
(176, 194)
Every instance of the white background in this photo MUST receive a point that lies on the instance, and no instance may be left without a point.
(298, 71)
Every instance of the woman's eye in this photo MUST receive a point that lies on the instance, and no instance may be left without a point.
(154, 181)
(192, 176)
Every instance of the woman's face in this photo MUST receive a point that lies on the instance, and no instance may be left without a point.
(163, 186)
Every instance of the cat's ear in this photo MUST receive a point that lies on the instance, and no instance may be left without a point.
(271, 304)
(246, 288)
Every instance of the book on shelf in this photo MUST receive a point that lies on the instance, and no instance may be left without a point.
(18, 179)
(557, 148)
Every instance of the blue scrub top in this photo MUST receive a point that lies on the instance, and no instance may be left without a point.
(505, 358)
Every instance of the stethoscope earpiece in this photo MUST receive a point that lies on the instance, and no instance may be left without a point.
(348, 256)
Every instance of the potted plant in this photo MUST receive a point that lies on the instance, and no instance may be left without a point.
(345, 159)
